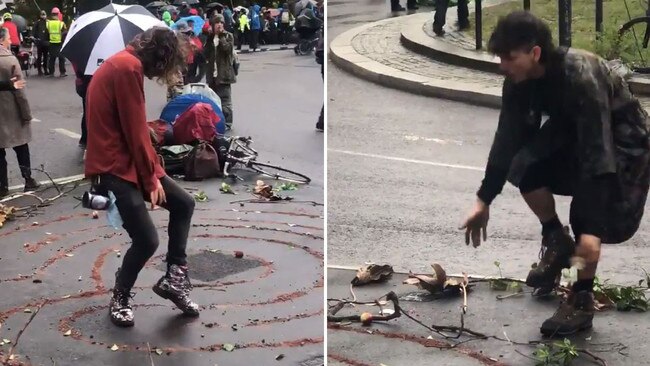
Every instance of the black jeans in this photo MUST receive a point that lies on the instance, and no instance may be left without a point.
(254, 35)
(440, 16)
(55, 52)
(42, 53)
(84, 129)
(131, 204)
(224, 91)
(285, 30)
(22, 153)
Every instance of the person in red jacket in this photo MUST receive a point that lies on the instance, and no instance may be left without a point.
(121, 159)
(13, 32)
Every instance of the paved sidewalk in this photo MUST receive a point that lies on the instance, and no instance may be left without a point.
(516, 319)
(402, 53)
(268, 303)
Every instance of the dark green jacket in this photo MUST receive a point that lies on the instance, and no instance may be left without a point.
(224, 57)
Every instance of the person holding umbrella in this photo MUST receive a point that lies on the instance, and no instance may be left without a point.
(121, 159)
(56, 28)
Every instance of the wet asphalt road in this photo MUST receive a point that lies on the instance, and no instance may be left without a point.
(277, 100)
(403, 171)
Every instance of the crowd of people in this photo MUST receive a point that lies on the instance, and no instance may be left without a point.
(120, 159)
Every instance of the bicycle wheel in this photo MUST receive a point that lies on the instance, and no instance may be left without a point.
(634, 37)
(276, 172)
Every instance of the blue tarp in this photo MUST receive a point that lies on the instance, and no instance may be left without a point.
(181, 103)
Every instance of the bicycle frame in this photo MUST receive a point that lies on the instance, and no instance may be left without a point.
(238, 146)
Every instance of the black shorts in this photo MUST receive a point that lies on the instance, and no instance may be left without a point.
(560, 174)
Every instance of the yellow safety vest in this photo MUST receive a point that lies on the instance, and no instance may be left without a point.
(55, 27)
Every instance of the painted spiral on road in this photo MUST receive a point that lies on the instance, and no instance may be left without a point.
(268, 304)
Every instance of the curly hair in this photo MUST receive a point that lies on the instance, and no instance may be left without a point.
(521, 31)
(163, 54)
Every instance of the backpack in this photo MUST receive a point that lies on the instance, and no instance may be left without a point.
(285, 17)
(196, 123)
(174, 157)
(202, 163)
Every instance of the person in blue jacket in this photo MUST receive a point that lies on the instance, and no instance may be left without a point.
(256, 26)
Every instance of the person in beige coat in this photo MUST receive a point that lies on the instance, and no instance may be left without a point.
(15, 127)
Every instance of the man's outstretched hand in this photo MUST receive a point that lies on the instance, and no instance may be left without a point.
(475, 223)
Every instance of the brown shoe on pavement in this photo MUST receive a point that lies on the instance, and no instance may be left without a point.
(573, 315)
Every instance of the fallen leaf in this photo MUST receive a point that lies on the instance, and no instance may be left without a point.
(46, 233)
(69, 332)
(158, 351)
(279, 357)
(12, 357)
(387, 311)
(200, 197)
(226, 188)
(263, 189)
(115, 347)
(228, 347)
(69, 255)
(35, 223)
(79, 279)
(65, 297)
(28, 310)
(372, 273)
(588, 338)
(6, 341)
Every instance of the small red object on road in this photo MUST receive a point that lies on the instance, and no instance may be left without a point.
(239, 254)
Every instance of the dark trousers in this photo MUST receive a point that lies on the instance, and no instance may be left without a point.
(131, 204)
(254, 35)
(224, 92)
(84, 129)
(22, 153)
(55, 52)
(241, 38)
(441, 14)
(42, 53)
(285, 30)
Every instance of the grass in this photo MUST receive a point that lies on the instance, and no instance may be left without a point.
(583, 28)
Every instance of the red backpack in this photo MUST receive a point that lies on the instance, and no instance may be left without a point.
(198, 122)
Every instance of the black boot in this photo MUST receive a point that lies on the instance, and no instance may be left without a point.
(438, 31)
(573, 315)
(120, 308)
(4, 191)
(411, 5)
(395, 6)
(31, 184)
(555, 254)
(176, 286)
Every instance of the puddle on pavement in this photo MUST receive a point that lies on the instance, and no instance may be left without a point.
(419, 297)
(208, 266)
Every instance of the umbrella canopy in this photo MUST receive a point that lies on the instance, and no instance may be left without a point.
(214, 5)
(170, 8)
(198, 23)
(156, 4)
(189, 2)
(302, 4)
(20, 22)
(100, 34)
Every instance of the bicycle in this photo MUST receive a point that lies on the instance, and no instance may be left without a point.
(628, 29)
(240, 152)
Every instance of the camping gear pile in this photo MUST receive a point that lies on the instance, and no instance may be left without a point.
(189, 134)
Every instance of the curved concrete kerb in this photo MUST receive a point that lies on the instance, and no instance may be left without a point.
(344, 55)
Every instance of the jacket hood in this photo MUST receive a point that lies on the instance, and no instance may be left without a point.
(256, 8)
(167, 16)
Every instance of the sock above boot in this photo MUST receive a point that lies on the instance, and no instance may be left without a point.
(551, 225)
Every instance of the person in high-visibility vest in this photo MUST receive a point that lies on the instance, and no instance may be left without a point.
(244, 29)
(56, 29)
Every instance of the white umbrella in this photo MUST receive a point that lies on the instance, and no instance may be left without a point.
(98, 35)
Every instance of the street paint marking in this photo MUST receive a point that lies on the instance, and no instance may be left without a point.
(432, 139)
(68, 133)
(62, 180)
(415, 161)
